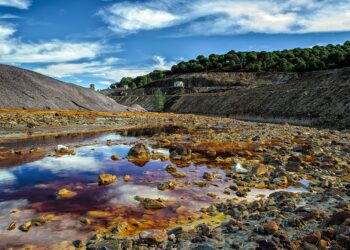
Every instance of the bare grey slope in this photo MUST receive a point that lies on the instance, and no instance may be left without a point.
(20, 88)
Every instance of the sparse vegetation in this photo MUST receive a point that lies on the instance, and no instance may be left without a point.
(294, 60)
(159, 100)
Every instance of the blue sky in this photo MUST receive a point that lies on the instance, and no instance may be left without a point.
(100, 41)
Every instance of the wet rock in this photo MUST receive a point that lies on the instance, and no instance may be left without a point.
(12, 226)
(270, 227)
(115, 157)
(171, 169)
(179, 175)
(265, 244)
(63, 150)
(25, 227)
(65, 193)
(233, 187)
(106, 179)
(166, 185)
(212, 195)
(78, 244)
(139, 152)
(329, 233)
(154, 236)
(200, 183)
(210, 176)
(149, 203)
(127, 178)
(85, 221)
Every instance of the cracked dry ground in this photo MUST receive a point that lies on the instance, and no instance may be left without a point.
(254, 155)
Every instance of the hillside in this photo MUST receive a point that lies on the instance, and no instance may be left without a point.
(25, 89)
(319, 98)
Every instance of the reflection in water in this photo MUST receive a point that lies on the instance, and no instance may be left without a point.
(31, 188)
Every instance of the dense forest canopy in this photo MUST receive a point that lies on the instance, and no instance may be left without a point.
(294, 60)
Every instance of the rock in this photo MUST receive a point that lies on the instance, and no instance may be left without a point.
(166, 185)
(154, 236)
(233, 187)
(106, 179)
(343, 240)
(241, 193)
(179, 175)
(171, 169)
(85, 221)
(63, 150)
(280, 181)
(259, 170)
(271, 227)
(115, 157)
(210, 176)
(339, 217)
(239, 169)
(308, 246)
(65, 193)
(211, 153)
(139, 152)
(312, 238)
(149, 203)
(265, 244)
(26, 226)
(212, 195)
(293, 164)
(78, 244)
(127, 178)
(12, 226)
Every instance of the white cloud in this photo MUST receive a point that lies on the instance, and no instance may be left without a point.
(20, 4)
(130, 18)
(107, 69)
(202, 17)
(8, 16)
(14, 50)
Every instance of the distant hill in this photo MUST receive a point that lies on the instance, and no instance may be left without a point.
(294, 60)
(20, 88)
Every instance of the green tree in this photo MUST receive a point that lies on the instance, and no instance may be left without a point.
(159, 100)
(92, 87)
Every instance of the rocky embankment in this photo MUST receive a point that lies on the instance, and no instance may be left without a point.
(312, 98)
(25, 89)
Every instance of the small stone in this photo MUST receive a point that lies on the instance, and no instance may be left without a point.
(239, 169)
(271, 227)
(148, 203)
(65, 193)
(106, 179)
(154, 236)
(12, 226)
(26, 226)
(127, 178)
(312, 238)
(171, 169)
(212, 195)
(241, 193)
(308, 246)
(115, 157)
(179, 175)
(85, 221)
(259, 170)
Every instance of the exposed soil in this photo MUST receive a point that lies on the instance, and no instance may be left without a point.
(319, 98)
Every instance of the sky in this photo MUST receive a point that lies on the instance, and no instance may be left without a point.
(101, 41)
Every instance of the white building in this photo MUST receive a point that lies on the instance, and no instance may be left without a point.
(179, 84)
